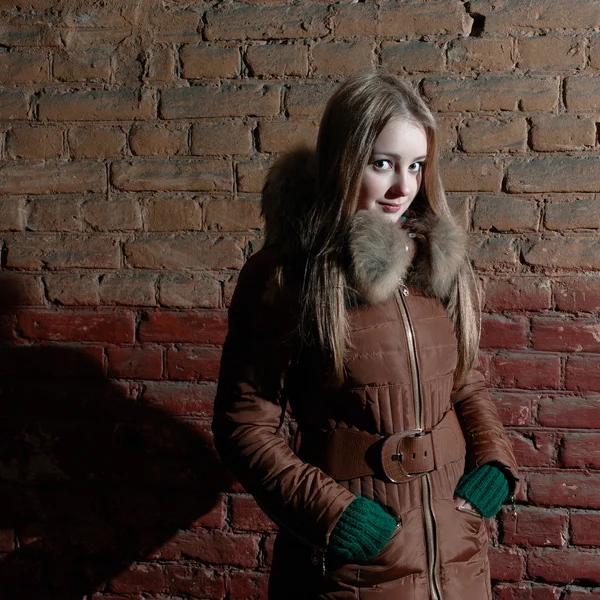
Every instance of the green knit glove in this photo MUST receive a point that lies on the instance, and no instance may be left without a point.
(486, 488)
(362, 531)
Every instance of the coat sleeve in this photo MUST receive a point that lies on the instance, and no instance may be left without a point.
(484, 433)
(249, 409)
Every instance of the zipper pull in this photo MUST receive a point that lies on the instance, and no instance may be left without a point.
(513, 506)
(403, 288)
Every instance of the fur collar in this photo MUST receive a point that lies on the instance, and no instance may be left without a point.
(379, 252)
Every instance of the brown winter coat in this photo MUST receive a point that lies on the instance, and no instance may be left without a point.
(437, 552)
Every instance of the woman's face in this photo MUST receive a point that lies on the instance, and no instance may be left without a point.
(393, 174)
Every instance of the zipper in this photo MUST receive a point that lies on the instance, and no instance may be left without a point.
(428, 514)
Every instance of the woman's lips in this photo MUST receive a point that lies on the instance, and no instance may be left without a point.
(389, 207)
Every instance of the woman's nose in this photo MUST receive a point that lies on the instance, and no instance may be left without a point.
(399, 185)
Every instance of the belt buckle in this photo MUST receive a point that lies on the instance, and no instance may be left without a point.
(391, 457)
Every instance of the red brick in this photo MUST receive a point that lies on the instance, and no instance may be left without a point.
(189, 291)
(181, 400)
(563, 334)
(463, 174)
(526, 591)
(54, 214)
(139, 577)
(480, 54)
(412, 56)
(517, 293)
(544, 14)
(550, 53)
(506, 564)
(210, 61)
(277, 60)
(72, 289)
(270, 22)
(24, 66)
(195, 582)
(193, 252)
(581, 450)
(114, 214)
(277, 136)
(515, 408)
(308, 99)
(564, 566)
(233, 215)
(537, 449)
(491, 93)
(35, 251)
(247, 516)
(547, 174)
(247, 586)
(526, 371)
(52, 177)
(590, 594)
(585, 529)
(225, 101)
(490, 253)
(506, 213)
(13, 105)
(562, 132)
(417, 18)
(583, 373)
(172, 175)
(594, 52)
(97, 141)
(581, 93)
(497, 135)
(221, 138)
(342, 58)
(215, 548)
(97, 105)
(193, 363)
(498, 331)
(38, 142)
(579, 293)
(176, 24)
(567, 253)
(130, 289)
(251, 174)
(161, 63)
(580, 213)
(142, 362)
(83, 64)
(21, 289)
(447, 134)
(565, 489)
(568, 411)
(201, 327)
(534, 527)
(150, 140)
(12, 213)
(77, 326)
(173, 214)
(459, 207)
(20, 31)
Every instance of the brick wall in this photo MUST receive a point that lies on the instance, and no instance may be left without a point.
(134, 137)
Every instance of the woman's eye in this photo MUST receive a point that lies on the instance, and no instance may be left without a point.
(382, 164)
(415, 167)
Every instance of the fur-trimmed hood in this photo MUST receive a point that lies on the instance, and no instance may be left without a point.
(380, 253)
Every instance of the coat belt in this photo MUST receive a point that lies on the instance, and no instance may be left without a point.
(349, 454)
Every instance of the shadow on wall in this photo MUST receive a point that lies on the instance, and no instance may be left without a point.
(91, 481)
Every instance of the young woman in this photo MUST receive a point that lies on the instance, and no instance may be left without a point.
(359, 313)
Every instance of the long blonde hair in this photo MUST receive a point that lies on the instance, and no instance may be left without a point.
(354, 116)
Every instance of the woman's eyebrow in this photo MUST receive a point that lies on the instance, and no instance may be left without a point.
(394, 155)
